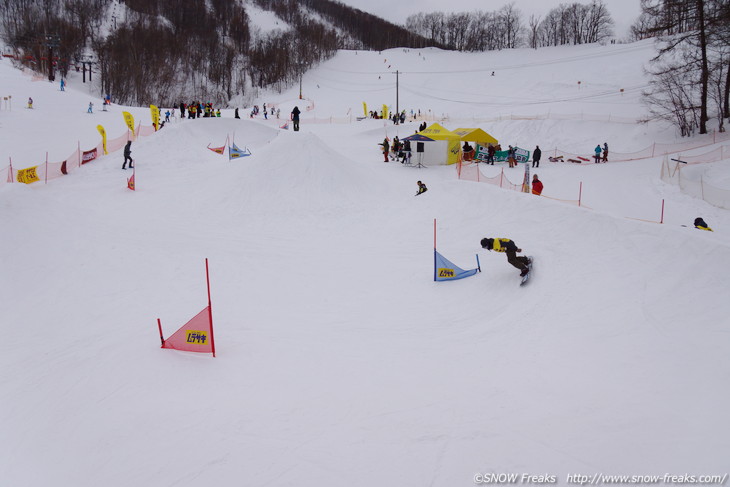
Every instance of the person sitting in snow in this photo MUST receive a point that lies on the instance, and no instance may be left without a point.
(536, 185)
(700, 224)
(510, 248)
(421, 188)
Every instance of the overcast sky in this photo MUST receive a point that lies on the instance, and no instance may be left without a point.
(623, 12)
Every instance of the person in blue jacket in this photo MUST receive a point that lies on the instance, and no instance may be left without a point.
(597, 150)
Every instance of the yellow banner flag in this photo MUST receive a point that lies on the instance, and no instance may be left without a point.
(385, 111)
(103, 137)
(28, 175)
(129, 119)
(155, 112)
(365, 108)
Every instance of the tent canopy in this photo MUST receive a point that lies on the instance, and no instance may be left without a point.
(475, 135)
(418, 138)
(437, 132)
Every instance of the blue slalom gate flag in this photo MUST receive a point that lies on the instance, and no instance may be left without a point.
(445, 270)
(234, 152)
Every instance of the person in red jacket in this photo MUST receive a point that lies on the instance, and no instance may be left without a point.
(536, 185)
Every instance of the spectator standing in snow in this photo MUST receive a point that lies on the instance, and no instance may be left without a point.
(490, 154)
(508, 247)
(511, 157)
(406, 152)
(295, 118)
(536, 154)
(468, 151)
(63, 85)
(605, 151)
(597, 150)
(91, 108)
(128, 155)
(536, 185)
(386, 148)
(167, 116)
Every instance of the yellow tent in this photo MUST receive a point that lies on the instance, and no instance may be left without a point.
(450, 141)
(475, 135)
(437, 132)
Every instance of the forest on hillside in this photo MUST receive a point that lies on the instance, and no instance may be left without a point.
(167, 51)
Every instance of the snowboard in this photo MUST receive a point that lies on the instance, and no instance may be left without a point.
(526, 277)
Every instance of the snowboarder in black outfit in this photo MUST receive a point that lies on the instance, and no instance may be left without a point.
(295, 118)
(128, 155)
(510, 248)
(700, 223)
(536, 154)
(421, 188)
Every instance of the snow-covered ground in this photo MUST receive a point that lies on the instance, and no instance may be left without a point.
(339, 360)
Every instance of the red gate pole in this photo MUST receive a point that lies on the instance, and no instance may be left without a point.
(159, 326)
(210, 311)
(662, 220)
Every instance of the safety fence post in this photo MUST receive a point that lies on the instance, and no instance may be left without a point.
(580, 192)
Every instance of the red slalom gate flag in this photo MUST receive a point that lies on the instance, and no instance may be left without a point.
(197, 334)
(130, 182)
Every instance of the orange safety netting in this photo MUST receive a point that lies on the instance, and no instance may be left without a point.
(51, 170)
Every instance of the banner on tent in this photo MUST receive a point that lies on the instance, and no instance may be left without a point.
(521, 155)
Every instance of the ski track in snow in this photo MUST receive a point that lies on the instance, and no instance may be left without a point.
(340, 360)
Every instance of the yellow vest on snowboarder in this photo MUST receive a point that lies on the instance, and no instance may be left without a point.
(499, 244)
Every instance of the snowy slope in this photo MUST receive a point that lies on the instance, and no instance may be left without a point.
(339, 359)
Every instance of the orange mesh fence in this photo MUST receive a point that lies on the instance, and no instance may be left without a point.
(52, 170)
(694, 184)
(719, 154)
(471, 172)
(654, 150)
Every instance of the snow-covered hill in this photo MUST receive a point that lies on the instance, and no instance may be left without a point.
(339, 359)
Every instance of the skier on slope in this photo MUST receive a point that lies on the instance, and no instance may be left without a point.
(421, 188)
(128, 155)
(295, 118)
(510, 248)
